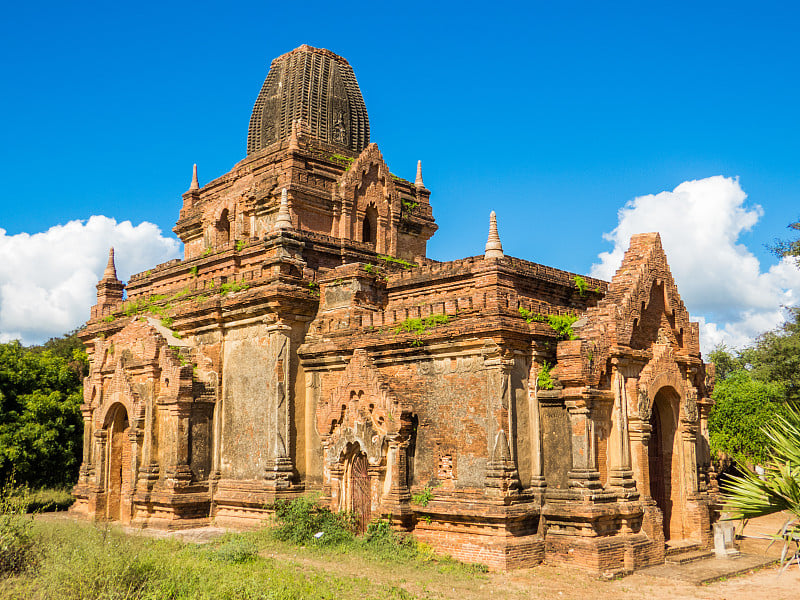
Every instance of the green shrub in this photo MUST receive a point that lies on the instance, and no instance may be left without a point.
(301, 520)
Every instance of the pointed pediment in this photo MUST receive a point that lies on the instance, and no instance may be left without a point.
(362, 395)
(367, 170)
(641, 309)
(643, 300)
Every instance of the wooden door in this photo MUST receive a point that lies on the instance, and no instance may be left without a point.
(658, 490)
(361, 491)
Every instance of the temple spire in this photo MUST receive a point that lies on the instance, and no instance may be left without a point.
(111, 268)
(418, 181)
(494, 249)
(195, 185)
(284, 220)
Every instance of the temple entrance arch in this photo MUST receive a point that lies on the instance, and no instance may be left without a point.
(117, 475)
(664, 477)
(358, 487)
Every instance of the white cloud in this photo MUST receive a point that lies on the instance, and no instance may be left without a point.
(47, 280)
(719, 279)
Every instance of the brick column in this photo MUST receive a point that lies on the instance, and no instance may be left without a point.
(584, 478)
(620, 477)
(280, 468)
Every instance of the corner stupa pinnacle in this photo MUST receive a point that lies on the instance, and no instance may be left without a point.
(111, 268)
(293, 142)
(284, 220)
(195, 185)
(494, 249)
(418, 181)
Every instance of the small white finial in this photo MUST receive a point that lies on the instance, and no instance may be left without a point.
(293, 143)
(494, 249)
(284, 220)
(418, 182)
(195, 185)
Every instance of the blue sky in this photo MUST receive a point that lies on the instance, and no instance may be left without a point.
(555, 115)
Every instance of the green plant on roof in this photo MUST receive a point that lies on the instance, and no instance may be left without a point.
(167, 322)
(409, 205)
(398, 261)
(581, 284)
(423, 497)
(233, 286)
(193, 271)
(420, 327)
(347, 161)
(543, 379)
(240, 244)
(561, 324)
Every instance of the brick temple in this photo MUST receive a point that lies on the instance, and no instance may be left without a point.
(503, 411)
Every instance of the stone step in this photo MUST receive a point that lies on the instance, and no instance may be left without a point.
(689, 557)
(681, 546)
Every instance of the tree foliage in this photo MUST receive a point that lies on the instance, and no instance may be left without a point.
(754, 385)
(40, 421)
(743, 407)
(788, 248)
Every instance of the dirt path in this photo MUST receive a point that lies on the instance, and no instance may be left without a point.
(547, 582)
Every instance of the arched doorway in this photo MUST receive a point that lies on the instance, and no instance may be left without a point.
(359, 488)
(663, 489)
(118, 476)
(223, 228)
(369, 229)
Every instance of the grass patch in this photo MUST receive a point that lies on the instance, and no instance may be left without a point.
(18, 550)
(48, 500)
(81, 561)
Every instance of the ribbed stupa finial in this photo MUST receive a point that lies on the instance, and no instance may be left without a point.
(284, 220)
(195, 185)
(494, 249)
